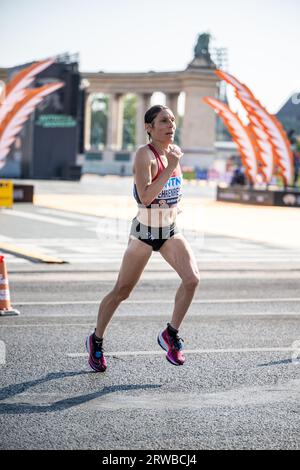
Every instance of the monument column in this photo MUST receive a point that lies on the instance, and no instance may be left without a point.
(115, 122)
(143, 103)
(88, 121)
(198, 130)
(172, 103)
(199, 121)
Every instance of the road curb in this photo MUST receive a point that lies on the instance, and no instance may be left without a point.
(30, 255)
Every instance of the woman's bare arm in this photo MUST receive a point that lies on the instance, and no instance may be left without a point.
(148, 190)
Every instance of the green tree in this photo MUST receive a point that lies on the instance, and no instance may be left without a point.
(99, 121)
(129, 119)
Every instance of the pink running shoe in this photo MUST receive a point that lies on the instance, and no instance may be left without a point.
(97, 359)
(172, 344)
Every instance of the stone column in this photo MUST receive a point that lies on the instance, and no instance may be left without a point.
(198, 130)
(147, 100)
(143, 103)
(172, 103)
(115, 122)
(88, 121)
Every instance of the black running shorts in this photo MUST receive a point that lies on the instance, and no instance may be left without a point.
(153, 236)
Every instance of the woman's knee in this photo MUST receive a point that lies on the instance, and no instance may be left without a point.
(192, 282)
(122, 291)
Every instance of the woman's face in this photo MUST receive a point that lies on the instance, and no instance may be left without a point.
(163, 126)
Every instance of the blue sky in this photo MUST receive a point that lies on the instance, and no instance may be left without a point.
(262, 38)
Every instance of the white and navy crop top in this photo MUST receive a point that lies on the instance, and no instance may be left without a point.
(170, 195)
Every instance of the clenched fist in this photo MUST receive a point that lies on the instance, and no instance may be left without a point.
(173, 155)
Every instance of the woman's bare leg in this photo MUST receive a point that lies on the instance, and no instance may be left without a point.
(178, 253)
(133, 264)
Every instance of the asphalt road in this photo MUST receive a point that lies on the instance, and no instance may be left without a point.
(239, 388)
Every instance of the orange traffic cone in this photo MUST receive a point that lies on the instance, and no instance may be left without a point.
(5, 306)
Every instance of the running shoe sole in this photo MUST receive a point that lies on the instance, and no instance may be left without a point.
(171, 362)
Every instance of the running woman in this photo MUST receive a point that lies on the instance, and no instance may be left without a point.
(157, 190)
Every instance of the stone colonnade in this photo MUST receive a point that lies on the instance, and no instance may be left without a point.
(115, 118)
(198, 131)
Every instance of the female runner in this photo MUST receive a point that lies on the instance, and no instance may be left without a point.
(157, 190)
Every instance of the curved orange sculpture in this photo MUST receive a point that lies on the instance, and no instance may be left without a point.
(18, 103)
(259, 116)
(241, 135)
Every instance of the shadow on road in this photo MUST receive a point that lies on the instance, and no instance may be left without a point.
(276, 363)
(26, 408)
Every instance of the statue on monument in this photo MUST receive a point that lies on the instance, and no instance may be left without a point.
(201, 52)
(201, 48)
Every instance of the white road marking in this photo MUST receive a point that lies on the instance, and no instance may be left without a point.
(171, 301)
(92, 316)
(44, 325)
(234, 398)
(71, 215)
(187, 351)
(41, 218)
(5, 239)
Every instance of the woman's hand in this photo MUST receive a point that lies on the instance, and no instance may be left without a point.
(173, 155)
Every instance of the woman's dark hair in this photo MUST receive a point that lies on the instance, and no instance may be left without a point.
(152, 113)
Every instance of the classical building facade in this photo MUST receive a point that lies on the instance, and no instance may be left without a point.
(196, 81)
